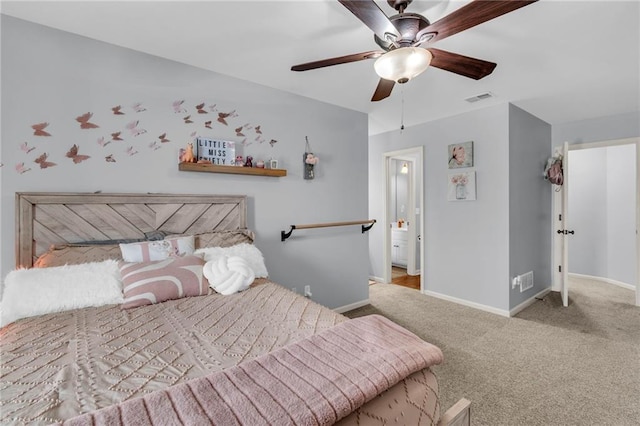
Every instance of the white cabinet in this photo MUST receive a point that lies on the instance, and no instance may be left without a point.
(399, 247)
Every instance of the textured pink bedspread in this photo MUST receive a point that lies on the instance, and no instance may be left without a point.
(314, 381)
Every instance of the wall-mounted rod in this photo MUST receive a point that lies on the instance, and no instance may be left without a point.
(369, 224)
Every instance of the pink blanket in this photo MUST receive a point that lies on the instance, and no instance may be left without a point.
(315, 381)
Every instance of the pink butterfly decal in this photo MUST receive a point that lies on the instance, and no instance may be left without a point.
(116, 136)
(84, 121)
(239, 131)
(200, 108)
(177, 107)
(133, 128)
(102, 142)
(39, 129)
(73, 154)
(154, 145)
(137, 107)
(117, 110)
(25, 147)
(131, 151)
(42, 161)
(21, 169)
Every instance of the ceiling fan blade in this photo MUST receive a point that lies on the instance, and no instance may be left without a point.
(460, 64)
(383, 90)
(472, 14)
(372, 16)
(338, 60)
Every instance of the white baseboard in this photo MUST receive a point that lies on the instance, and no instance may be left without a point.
(376, 279)
(479, 306)
(351, 306)
(530, 301)
(605, 280)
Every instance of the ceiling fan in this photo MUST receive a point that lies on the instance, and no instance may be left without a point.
(406, 40)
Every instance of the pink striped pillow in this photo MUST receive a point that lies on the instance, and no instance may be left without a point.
(147, 283)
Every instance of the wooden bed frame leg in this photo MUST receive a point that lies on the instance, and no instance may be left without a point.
(458, 415)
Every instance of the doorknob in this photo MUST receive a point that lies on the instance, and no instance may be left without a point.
(565, 232)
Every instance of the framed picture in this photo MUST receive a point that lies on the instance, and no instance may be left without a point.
(461, 186)
(461, 155)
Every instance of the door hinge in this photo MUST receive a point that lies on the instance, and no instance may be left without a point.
(560, 217)
(559, 268)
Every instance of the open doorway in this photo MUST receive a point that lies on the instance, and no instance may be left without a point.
(402, 240)
(598, 214)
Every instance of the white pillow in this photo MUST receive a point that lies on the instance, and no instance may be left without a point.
(38, 291)
(150, 251)
(228, 275)
(248, 252)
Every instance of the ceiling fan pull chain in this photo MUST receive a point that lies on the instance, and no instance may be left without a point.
(402, 108)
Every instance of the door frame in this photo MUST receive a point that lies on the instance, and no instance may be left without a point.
(416, 178)
(558, 223)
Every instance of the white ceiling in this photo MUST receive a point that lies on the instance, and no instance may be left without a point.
(560, 60)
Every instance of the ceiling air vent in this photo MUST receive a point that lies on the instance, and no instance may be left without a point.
(480, 97)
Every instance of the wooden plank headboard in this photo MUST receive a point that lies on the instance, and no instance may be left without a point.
(43, 219)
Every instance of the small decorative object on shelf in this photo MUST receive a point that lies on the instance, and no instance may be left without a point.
(272, 164)
(239, 161)
(187, 155)
(249, 161)
(310, 160)
(216, 151)
(260, 164)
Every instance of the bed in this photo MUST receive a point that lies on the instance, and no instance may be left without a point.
(256, 356)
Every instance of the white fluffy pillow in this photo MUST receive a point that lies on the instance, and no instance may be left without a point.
(38, 291)
(248, 252)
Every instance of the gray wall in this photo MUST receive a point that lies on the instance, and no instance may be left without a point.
(602, 204)
(529, 202)
(53, 76)
(466, 243)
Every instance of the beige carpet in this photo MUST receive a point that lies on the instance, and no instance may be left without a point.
(547, 366)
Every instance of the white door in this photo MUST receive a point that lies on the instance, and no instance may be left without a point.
(564, 282)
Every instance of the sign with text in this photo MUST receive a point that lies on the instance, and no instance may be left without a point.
(217, 151)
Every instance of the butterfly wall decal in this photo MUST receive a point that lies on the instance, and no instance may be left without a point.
(25, 147)
(163, 138)
(103, 142)
(257, 129)
(115, 136)
(84, 121)
(109, 159)
(187, 119)
(154, 145)
(207, 124)
(200, 108)
(177, 107)
(137, 107)
(239, 131)
(117, 110)
(42, 161)
(21, 169)
(133, 128)
(39, 129)
(272, 142)
(131, 151)
(73, 154)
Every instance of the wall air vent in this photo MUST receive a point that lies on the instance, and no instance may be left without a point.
(480, 97)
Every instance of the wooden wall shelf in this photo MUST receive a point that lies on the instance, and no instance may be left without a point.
(234, 170)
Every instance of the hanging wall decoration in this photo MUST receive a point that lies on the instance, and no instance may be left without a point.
(310, 160)
(461, 155)
(462, 186)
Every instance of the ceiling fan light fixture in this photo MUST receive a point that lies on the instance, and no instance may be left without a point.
(403, 64)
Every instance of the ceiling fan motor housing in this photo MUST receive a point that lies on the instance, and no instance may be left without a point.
(411, 26)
